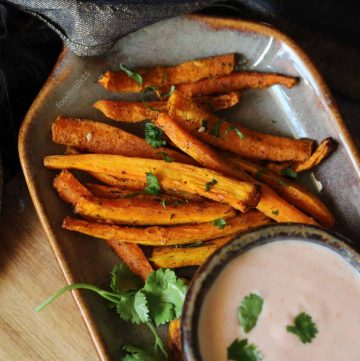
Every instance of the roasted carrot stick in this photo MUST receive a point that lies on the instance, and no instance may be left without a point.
(95, 137)
(232, 136)
(174, 341)
(291, 191)
(174, 176)
(141, 212)
(175, 257)
(134, 112)
(236, 81)
(162, 76)
(167, 236)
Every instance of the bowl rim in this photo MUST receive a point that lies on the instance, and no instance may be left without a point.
(212, 267)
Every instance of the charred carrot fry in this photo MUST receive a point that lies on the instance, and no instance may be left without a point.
(167, 236)
(134, 112)
(174, 176)
(236, 81)
(291, 191)
(162, 76)
(95, 137)
(232, 136)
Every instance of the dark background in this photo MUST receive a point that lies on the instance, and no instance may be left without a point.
(329, 31)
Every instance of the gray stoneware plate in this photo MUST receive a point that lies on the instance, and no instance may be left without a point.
(307, 110)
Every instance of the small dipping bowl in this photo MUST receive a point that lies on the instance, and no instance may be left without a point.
(210, 270)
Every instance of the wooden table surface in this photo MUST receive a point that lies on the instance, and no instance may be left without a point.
(28, 275)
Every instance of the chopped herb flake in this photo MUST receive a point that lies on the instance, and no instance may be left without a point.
(166, 157)
(241, 350)
(288, 172)
(131, 74)
(153, 185)
(249, 311)
(219, 223)
(259, 173)
(281, 182)
(149, 89)
(275, 212)
(169, 93)
(210, 184)
(216, 130)
(304, 327)
(236, 130)
(153, 135)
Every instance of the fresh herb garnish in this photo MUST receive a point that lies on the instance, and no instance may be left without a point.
(165, 156)
(153, 185)
(152, 88)
(163, 203)
(288, 172)
(169, 93)
(133, 194)
(241, 350)
(219, 223)
(131, 74)
(281, 182)
(210, 184)
(236, 130)
(259, 173)
(275, 212)
(304, 327)
(216, 130)
(153, 135)
(249, 311)
(159, 301)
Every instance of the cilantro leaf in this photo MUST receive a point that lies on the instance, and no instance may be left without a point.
(249, 311)
(152, 88)
(169, 93)
(123, 280)
(304, 327)
(219, 223)
(153, 185)
(281, 182)
(166, 157)
(133, 308)
(137, 353)
(241, 350)
(131, 74)
(153, 135)
(288, 172)
(217, 127)
(210, 184)
(165, 295)
(259, 173)
(236, 130)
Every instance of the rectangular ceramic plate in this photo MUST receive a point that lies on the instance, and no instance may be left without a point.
(307, 110)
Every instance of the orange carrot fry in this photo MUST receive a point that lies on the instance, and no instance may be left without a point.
(236, 81)
(291, 191)
(95, 137)
(133, 256)
(167, 236)
(174, 176)
(232, 136)
(134, 112)
(162, 76)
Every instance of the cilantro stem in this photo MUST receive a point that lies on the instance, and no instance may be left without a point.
(112, 297)
(158, 341)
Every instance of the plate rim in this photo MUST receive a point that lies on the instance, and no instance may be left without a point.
(217, 23)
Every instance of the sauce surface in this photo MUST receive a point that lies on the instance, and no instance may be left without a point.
(291, 277)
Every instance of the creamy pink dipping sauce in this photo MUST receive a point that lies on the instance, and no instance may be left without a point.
(292, 277)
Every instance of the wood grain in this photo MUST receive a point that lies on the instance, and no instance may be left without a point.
(28, 275)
